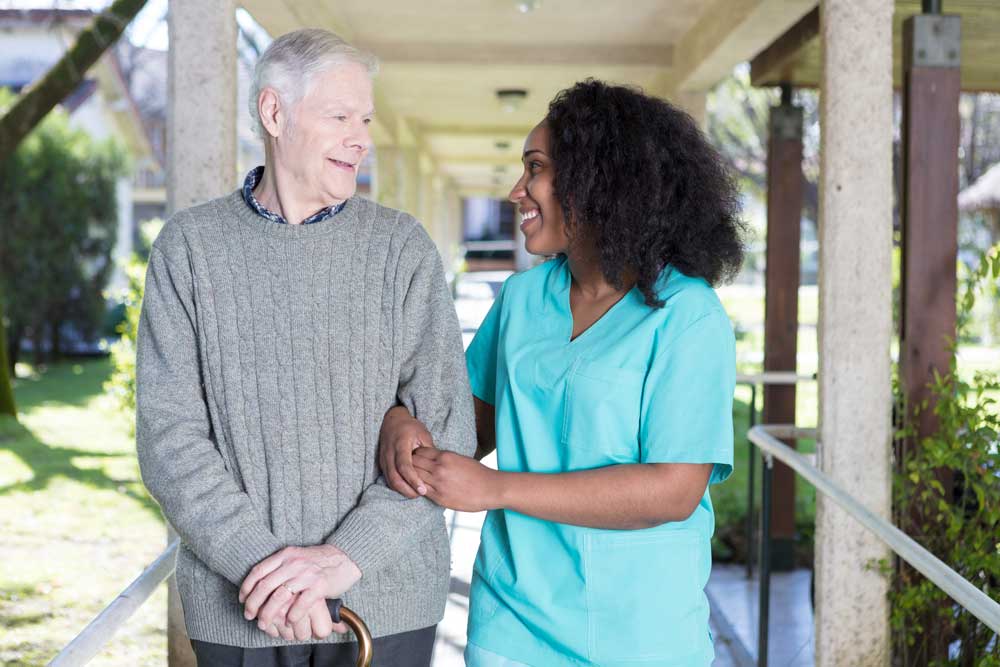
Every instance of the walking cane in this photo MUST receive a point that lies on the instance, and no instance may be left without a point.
(338, 612)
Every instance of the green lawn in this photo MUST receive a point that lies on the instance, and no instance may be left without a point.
(77, 524)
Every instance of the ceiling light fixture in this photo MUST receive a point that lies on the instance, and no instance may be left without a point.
(526, 6)
(511, 98)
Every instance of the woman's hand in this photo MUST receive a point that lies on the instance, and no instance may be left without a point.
(458, 482)
(400, 435)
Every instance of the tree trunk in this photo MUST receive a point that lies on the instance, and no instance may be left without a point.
(42, 96)
(55, 348)
(15, 336)
(38, 345)
(7, 405)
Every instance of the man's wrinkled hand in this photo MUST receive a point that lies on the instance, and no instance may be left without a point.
(318, 624)
(282, 589)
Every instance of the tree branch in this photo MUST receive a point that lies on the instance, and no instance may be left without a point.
(41, 97)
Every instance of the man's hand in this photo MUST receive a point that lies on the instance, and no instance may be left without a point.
(317, 624)
(400, 435)
(459, 482)
(282, 589)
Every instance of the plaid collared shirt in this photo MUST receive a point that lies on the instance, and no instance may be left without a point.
(251, 181)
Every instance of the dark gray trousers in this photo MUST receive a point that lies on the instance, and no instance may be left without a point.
(406, 649)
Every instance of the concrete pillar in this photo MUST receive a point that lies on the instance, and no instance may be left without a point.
(423, 207)
(201, 152)
(409, 180)
(855, 325)
(388, 186)
(201, 99)
(124, 237)
(455, 216)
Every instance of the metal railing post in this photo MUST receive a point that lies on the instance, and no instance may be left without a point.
(764, 597)
(751, 458)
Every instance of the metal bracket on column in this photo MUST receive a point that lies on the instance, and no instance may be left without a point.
(933, 40)
(786, 122)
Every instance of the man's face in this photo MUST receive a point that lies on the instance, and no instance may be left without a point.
(328, 134)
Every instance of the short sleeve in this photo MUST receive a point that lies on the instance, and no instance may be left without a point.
(687, 403)
(481, 357)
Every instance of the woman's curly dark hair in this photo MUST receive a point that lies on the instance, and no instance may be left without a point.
(637, 175)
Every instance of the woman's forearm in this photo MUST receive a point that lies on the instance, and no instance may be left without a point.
(486, 434)
(618, 497)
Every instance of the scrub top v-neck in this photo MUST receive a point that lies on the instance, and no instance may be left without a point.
(640, 385)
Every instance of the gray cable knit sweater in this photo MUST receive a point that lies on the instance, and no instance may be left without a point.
(267, 357)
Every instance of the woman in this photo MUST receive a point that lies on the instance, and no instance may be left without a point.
(604, 379)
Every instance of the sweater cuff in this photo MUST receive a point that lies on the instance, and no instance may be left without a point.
(234, 558)
(363, 542)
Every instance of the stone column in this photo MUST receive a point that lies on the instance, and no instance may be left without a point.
(409, 180)
(855, 325)
(123, 238)
(201, 99)
(201, 154)
(388, 189)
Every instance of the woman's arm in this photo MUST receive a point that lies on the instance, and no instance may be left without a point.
(486, 428)
(629, 496)
(401, 434)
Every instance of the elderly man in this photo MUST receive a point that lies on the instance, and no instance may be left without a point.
(279, 325)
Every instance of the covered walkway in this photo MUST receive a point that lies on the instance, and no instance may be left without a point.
(462, 83)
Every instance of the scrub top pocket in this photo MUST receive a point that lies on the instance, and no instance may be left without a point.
(644, 597)
(601, 418)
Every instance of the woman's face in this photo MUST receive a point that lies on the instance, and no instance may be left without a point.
(542, 217)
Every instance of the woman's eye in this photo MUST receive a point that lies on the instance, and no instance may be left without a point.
(368, 121)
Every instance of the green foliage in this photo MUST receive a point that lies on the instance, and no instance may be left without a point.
(960, 525)
(59, 221)
(979, 314)
(121, 382)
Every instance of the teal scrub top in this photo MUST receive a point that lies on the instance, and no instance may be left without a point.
(641, 385)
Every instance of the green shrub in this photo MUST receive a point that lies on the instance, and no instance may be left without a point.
(121, 382)
(959, 525)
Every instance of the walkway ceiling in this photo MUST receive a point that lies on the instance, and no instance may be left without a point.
(796, 57)
(443, 61)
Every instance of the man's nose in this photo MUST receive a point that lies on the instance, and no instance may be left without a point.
(360, 137)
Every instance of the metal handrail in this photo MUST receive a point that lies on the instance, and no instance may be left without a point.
(773, 377)
(766, 438)
(92, 639)
(752, 380)
(99, 631)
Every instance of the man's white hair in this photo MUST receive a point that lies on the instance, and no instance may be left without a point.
(290, 62)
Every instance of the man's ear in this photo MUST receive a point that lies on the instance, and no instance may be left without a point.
(272, 112)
